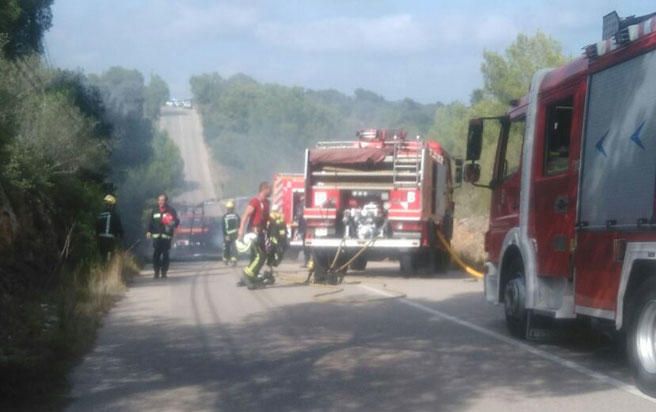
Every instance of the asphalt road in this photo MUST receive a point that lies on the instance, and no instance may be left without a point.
(378, 342)
(184, 127)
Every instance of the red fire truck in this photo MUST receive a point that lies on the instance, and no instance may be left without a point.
(380, 196)
(573, 213)
(288, 194)
(199, 229)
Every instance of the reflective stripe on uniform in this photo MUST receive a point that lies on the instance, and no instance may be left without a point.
(161, 235)
(108, 220)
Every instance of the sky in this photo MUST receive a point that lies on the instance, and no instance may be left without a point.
(429, 51)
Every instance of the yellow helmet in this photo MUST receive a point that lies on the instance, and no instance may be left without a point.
(110, 200)
(230, 204)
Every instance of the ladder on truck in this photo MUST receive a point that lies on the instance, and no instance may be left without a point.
(407, 165)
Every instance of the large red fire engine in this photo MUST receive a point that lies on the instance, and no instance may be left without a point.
(573, 210)
(288, 193)
(381, 196)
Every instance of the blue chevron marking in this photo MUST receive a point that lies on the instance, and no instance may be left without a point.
(600, 144)
(635, 137)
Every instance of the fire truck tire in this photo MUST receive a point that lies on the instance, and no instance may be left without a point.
(642, 336)
(359, 264)
(408, 263)
(441, 261)
(320, 268)
(515, 301)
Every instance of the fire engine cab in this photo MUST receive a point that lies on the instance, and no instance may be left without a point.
(572, 228)
(380, 196)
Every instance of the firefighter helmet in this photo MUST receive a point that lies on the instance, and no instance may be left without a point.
(275, 212)
(243, 246)
(230, 204)
(110, 200)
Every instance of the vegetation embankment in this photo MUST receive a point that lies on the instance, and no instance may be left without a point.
(66, 139)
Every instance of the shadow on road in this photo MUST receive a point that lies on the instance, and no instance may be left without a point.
(379, 355)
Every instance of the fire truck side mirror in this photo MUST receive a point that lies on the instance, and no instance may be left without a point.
(475, 139)
(472, 172)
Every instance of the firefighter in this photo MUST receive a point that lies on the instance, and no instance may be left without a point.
(255, 220)
(109, 230)
(276, 240)
(163, 221)
(300, 232)
(231, 223)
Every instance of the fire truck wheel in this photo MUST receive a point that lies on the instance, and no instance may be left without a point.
(441, 261)
(642, 337)
(320, 268)
(515, 301)
(408, 263)
(359, 264)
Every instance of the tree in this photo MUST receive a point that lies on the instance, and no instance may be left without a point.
(450, 125)
(24, 23)
(85, 96)
(156, 94)
(508, 76)
(123, 95)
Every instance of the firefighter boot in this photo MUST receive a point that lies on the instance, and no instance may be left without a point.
(251, 282)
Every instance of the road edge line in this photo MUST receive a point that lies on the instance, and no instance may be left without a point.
(526, 347)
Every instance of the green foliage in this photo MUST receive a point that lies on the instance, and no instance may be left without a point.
(24, 23)
(156, 94)
(508, 76)
(242, 116)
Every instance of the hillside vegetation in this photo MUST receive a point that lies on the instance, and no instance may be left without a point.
(256, 129)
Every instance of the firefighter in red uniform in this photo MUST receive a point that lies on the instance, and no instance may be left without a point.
(163, 221)
(255, 220)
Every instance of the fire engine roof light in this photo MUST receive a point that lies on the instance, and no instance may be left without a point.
(623, 35)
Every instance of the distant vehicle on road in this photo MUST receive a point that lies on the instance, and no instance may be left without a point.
(187, 104)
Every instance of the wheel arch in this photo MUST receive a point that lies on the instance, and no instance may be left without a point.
(640, 271)
(511, 253)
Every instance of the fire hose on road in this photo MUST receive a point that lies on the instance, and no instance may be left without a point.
(456, 258)
(332, 269)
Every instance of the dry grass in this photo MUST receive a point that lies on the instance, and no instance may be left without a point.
(107, 282)
(51, 331)
(468, 238)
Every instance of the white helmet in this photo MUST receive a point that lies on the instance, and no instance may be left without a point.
(245, 245)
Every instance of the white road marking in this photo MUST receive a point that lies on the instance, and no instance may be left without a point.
(528, 348)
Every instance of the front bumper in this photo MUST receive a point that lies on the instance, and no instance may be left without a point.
(491, 283)
(329, 243)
